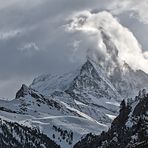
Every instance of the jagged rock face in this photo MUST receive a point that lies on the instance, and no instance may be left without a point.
(89, 84)
(93, 90)
(13, 135)
(22, 92)
(129, 129)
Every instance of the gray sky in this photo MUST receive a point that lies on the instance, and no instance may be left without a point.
(33, 39)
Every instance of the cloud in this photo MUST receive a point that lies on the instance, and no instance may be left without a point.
(145, 54)
(29, 48)
(129, 50)
(10, 34)
(138, 8)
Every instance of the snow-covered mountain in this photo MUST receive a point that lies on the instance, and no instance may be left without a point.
(97, 87)
(89, 92)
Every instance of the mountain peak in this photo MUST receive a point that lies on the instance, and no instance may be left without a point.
(24, 90)
(87, 65)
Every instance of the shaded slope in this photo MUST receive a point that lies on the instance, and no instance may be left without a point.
(13, 135)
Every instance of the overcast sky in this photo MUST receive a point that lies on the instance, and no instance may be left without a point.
(33, 38)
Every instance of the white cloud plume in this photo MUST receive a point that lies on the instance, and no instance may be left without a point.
(10, 34)
(129, 49)
(29, 48)
(146, 54)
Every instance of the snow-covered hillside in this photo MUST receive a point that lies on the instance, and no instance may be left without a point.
(54, 118)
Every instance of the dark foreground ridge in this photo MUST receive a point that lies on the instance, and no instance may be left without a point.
(14, 135)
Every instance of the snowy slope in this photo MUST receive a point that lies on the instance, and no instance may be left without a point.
(54, 118)
(48, 83)
(64, 130)
(30, 102)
